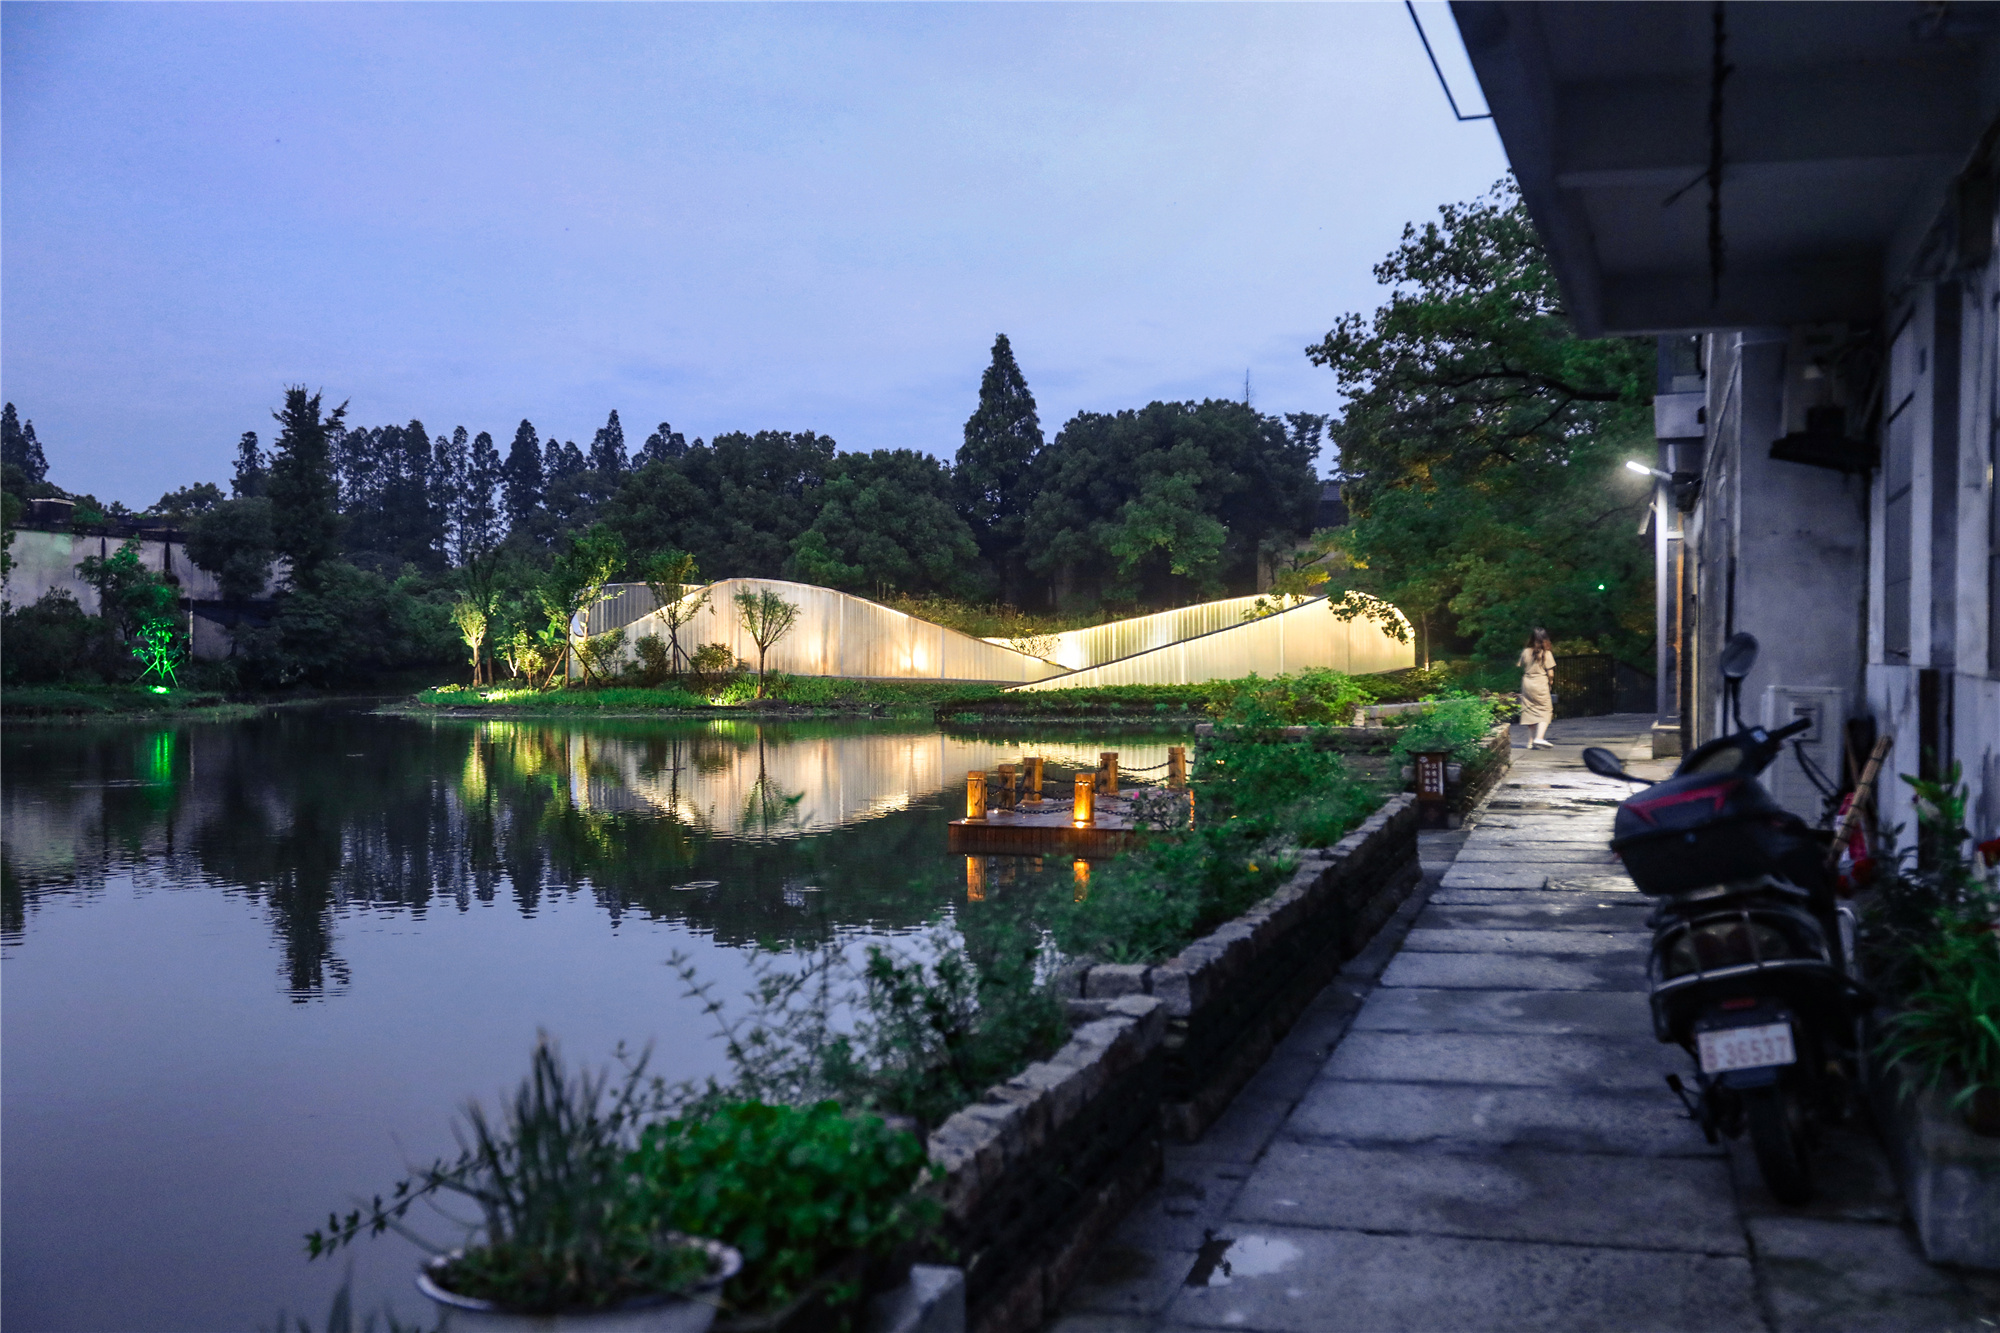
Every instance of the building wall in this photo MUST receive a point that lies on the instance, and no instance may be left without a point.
(1779, 549)
(1879, 586)
(46, 561)
(1933, 679)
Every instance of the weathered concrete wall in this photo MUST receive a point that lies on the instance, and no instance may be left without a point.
(46, 561)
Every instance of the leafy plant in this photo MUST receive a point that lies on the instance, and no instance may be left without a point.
(562, 1226)
(1314, 695)
(1948, 1026)
(795, 1189)
(1457, 724)
(1257, 800)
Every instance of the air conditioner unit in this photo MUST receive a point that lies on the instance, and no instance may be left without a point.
(1786, 778)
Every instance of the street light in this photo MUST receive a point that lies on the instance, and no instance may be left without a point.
(1634, 465)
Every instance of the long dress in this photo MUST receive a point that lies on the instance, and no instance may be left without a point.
(1537, 670)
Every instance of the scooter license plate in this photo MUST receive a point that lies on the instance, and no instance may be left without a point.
(1746, 1048)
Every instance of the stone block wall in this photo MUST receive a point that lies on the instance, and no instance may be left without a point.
(1231, 995)
(1034, 1175)
(1043, 1167)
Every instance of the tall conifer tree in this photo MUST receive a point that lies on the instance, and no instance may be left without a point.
(1002, 439)
(522, 480)
(305, 499)
(252, 470)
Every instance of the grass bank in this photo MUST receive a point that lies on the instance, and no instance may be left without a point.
(784, 696)
(101, 701)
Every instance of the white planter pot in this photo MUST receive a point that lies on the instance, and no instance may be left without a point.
(690, 1312)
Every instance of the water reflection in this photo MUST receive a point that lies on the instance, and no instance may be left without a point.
(774, 833)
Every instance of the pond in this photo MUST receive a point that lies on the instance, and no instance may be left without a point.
(251, 968)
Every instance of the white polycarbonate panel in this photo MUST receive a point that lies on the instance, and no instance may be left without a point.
(1309, 635)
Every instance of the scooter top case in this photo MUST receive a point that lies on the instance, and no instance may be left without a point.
(1698, 829)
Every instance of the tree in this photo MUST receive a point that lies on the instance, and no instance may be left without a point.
(141, 604)
(767, 618)
(476, 518)
(252, 470)
(234, 542)
(19, 447)
(188, 501)
(607, 457)
(886, 522)
(663, 445)
(522, 478)
(1481, 443)
(305, 498)
(1002, 438)
(470, 617)
(667, 575)
(575, 582)
(736, 505)
(1168, 503)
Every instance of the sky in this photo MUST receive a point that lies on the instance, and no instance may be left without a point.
(728, 217)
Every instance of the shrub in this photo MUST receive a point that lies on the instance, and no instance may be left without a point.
(1948, 1026)
(1257, 800)
(54, 641)
(1457, 724)
(795, 1189)
(1315, 695)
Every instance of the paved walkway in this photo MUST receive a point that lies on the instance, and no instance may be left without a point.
(1469, 1130)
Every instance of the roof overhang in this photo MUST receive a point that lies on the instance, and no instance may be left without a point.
(1844, 126)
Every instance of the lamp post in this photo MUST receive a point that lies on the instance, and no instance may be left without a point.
(1666, 602)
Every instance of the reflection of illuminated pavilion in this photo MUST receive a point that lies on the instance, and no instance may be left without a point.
(713, 778)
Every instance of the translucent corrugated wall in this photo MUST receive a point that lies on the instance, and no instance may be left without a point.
(839, 634)
(1079, 648)
(1308, 635)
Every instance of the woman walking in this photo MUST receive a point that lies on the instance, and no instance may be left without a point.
(1538, 672)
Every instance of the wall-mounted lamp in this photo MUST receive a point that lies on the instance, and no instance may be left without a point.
(1634, 465)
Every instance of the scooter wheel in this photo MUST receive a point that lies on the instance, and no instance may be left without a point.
(1778, 1136)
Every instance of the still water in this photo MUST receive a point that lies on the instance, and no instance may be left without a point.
(250, 968)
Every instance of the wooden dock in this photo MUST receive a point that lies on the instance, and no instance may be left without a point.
(1045, 828)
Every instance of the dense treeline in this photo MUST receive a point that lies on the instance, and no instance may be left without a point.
(379, 530)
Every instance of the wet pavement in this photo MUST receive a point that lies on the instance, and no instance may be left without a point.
(1470, 1129)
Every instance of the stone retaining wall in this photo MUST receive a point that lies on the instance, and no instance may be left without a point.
(1484, 773)
(1038, 1172)
(1233, 994)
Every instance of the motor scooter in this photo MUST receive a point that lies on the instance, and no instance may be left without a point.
(1751, 969)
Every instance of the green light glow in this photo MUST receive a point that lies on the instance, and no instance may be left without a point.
(159, 689)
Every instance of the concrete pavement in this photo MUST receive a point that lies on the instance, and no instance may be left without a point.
(1470, 1130)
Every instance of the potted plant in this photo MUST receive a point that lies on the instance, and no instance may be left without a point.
(570, 1239)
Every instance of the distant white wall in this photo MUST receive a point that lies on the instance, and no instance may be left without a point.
(1305, 636)
(45, 561)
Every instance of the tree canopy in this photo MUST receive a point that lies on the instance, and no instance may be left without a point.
(1481, 442)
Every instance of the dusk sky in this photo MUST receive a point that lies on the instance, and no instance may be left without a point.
(730, 217)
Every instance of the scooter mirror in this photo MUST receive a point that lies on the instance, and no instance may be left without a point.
(1739, 655)
(1603, 763)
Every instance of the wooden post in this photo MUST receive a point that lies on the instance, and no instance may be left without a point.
(1084, 812)
(975, 794)
(1177, 767)
(1034, 792)
(975, 879)
(1107, 772)
(1431, 809)
(1007, 786)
